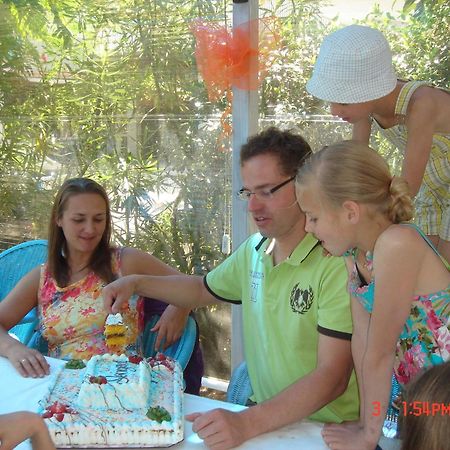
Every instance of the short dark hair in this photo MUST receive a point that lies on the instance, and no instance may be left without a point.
(290, 148)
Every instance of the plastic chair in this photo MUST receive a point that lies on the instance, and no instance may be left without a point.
(16, 262)
(239, 389)
(181, 350)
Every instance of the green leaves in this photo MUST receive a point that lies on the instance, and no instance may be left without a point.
(159, 414)
(75, 364)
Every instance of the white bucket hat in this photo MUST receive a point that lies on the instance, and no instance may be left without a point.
(354, 66)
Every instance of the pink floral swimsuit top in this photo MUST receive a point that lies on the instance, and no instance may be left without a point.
(72, 318)
(425, 338)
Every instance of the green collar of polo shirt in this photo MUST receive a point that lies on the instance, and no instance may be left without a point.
(300, 253)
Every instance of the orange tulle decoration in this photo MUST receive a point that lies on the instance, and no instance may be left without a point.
(226, 58)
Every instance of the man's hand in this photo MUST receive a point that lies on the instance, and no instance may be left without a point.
(170, 326)
(118, 292)
(220, 429)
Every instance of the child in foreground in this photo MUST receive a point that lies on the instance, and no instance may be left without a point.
(18, 426)
(400, 286)
(354, 72)
(425, 411)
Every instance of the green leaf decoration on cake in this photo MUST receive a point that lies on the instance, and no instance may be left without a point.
(159, 414)
(75, 364)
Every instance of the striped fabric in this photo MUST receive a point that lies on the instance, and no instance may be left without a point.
(433, 200)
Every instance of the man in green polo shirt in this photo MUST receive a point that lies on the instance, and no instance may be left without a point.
(296, 311)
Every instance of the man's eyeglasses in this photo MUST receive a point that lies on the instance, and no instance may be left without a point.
(262, 194)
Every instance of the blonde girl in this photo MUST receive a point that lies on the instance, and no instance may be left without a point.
(354, 72)
(400, 286)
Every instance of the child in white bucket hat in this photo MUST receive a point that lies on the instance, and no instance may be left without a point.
(354, 72)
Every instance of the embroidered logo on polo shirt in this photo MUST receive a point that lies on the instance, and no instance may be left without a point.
(301, 299)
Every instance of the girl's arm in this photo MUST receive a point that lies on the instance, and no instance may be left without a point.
(360, 318)
(398, 257)
(420, 123)
(361, 130)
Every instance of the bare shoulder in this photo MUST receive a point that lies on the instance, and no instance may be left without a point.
(22, 297)
(130, 252)
(431, 100)
(132, 256)
(135, 261)
(399, 232)
(401, 240)
(423, 99)
(32, 277)
(403, 244)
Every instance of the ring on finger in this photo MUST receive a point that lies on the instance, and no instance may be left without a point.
(23, 361)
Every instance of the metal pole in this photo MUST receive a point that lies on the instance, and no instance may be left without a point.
(245, 123)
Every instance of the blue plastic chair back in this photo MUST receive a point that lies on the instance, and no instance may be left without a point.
(16, 262)
(239, 390)
(181, 350)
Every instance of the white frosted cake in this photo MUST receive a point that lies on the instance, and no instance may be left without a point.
(116, 401)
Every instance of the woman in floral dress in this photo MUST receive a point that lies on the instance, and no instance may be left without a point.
(68, 288)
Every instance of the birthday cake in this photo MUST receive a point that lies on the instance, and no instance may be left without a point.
(116, 401)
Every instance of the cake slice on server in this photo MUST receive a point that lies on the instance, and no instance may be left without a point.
(115, 332)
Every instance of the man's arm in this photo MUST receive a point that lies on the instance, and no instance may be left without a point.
(185, 291)
(223, 429)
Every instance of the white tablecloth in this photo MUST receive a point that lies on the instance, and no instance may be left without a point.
(18, 393)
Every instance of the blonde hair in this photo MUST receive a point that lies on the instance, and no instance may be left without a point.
(427, 431)
(349, 170)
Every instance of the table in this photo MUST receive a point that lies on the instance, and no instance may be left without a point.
(18, 393)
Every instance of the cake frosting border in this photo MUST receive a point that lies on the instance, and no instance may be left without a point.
(109, 428)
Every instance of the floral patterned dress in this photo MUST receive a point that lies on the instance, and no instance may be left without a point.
(72, 318)
(425, 338)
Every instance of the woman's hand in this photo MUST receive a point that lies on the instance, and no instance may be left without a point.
(170, 326)
(28, 361)
(18, 426)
